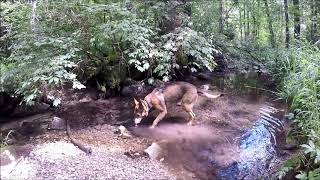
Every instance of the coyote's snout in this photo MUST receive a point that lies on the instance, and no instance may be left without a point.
(180, 93)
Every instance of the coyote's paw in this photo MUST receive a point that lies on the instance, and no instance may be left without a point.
(190, 123)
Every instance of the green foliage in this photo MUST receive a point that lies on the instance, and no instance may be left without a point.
(139, 44)
(193, 44)
(312, 148)
(297, 69)
(38, 58)
(308, 161)
(46, 65)
(310, 175)
(202, 15)
(301, 86)
(291, 164)
(5, 139)
(73, 41)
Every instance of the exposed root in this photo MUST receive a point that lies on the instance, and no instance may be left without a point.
(87, 150)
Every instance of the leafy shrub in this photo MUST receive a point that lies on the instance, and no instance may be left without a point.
(38, 59)
(73, 41)
(299, 71)
(307, 161)
(301, 86)
(190, 43)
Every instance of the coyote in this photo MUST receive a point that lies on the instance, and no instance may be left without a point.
(182, 93)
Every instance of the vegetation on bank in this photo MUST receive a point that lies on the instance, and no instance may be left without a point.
(76, 42)
(298, 71)
(72, 41)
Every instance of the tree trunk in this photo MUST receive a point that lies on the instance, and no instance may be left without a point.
(254, 28)
(287, 22)
(248, 18)
(221, 24)
(259, 19)
(245, 17)
(272, 37)
(296, 14)
(240, 24)
(314, 9)
(318, 12)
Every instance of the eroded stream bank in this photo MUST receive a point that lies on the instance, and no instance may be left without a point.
(237, 136)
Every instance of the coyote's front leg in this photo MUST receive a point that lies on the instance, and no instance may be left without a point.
(161, 115)
(161, 106)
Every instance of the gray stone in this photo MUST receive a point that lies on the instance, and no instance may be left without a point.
(153, 151)
(57, 124)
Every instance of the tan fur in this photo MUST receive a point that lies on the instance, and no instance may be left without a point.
(181, 93)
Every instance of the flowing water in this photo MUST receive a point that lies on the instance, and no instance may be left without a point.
(260, 146)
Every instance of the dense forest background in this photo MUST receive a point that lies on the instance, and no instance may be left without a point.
(47, 44)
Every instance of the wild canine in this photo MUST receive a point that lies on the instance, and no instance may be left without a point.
(182, 93)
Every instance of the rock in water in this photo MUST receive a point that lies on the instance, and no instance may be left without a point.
(57, 124)
(124, 132)
(153, 151)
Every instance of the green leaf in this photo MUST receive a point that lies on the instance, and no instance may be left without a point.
(146, 66)
(302, 176)
(56, 80)
(151, 81)
(56, 102)
(141, 69)
(78, 85)
(193, 70)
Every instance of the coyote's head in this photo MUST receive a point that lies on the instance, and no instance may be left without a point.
(141, 110)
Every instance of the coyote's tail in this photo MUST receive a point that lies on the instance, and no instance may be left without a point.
(202, 92)
(210, 96)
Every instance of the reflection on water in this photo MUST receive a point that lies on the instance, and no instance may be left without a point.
(259, 147)
(251, 83)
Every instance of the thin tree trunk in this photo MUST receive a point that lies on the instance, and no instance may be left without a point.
(254, 29)
(245, 21)
(314, 25)
(258, 22)
(221, 23)
(272, 37)
(296, 14)
(318, 13)
(287, 22)
(240, 24)
(248, 20)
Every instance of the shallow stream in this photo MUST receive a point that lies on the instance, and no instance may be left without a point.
(236, 136)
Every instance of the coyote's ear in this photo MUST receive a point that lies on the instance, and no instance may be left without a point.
(136, 102)
(144, 106)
